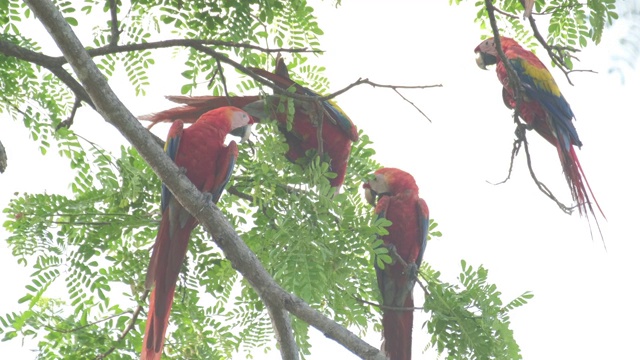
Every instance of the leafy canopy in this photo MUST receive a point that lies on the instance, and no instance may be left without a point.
(94, 241)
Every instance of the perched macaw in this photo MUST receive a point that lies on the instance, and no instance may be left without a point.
(543, 108)
(338, 132)
(394, 194)
(208, 163)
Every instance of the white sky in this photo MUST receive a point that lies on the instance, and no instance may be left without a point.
(584, 296)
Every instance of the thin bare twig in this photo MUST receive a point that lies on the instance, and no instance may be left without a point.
(115, 32)
(222, 78)
(412, 104)
(65, 331)
(361, 81)
(514, 152)
(545, 190)
(83, 223)
(234, 191)
(69, 121)
(498, 10)
(125, 332)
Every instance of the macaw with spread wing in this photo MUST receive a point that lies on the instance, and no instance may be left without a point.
(543, 108)
(338, 131)
(208, 163)
(394, 194)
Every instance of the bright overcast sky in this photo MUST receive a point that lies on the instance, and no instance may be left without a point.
(584, 305)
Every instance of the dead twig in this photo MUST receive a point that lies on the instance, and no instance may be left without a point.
(126, 331)
(69, 121)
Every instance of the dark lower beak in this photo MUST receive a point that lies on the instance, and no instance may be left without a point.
(371, 196)
(484, 59)
(242, 132)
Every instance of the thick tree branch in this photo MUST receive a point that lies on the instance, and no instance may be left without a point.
(50, 63)
(241, 257)
(54, 64)
(55, 67)
(312, 99)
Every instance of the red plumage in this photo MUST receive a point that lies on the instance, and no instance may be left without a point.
(544, 109)
(338, 132)
(395, 196)
(200, 151)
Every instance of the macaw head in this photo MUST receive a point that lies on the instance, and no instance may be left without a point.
(390, 182)
(229, 119)
(241, 123)
(487, 54)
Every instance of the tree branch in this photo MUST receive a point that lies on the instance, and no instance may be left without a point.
(69, 121)
(126, 331)
(67, 331)
(115, 32)
(54, 64)
(50, 63)
(55, 67)
(241, 257)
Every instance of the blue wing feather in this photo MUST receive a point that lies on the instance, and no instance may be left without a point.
(231, 154)
(423, 218)
(556, 105)
(171, 149)
(337, 115)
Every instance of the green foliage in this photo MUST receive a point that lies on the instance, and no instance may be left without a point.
(469, 321)
(94, 243)
(571, 23)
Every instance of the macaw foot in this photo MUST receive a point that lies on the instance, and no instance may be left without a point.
(520, 131)
(412, 272)
(208, 196)
(393, 253)
(410, 269)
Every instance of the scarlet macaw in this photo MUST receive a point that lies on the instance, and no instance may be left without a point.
(338, 132)
(200, 151)
(394, 194)
(543, 108)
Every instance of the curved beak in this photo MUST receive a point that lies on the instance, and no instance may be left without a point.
(483, 59)
(369, 194)
(243, 132)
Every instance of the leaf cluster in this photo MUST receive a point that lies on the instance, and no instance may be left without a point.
(469, 320)
(94, 242)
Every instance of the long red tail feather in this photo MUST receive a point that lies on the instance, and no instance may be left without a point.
(397, 327)
(169, 256)
(194, 107)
